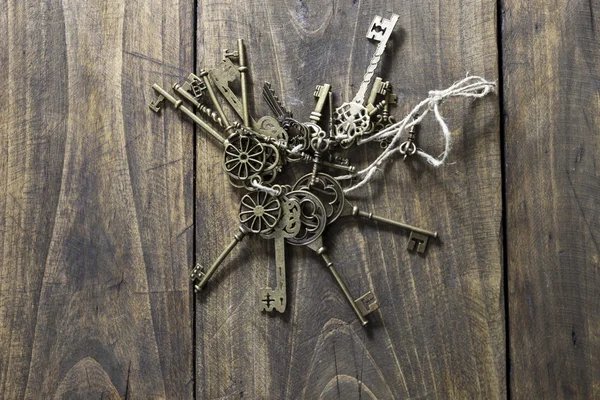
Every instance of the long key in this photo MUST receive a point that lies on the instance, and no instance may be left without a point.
(380, 31)
(362, 306)
(178, 104)
(199, 277)
(418, 236)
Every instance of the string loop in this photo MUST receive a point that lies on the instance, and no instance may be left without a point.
(470, 87)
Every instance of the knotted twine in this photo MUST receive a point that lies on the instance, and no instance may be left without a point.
(471, 86)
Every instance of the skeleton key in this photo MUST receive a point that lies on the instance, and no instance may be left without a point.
(289, 226)
(380, 31)
(199, 277)
(418, 237)
(313, 217)
(331, 194)
(211, 92)
(259, 213)
(365, 304)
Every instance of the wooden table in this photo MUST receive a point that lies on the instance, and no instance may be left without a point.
(105, 207)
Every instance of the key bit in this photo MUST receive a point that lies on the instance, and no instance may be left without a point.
(229, 54)
(367, 303)
(418, 241)
(155, 104)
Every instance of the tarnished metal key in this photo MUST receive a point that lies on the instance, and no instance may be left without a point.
(418, 238)
(199, 277)
(275, 299)
(178, 104)
(380, 31)
(332, 195)
(362, 306)
(259, 213)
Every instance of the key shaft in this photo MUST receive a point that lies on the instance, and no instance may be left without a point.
(213, 97)
(396, 223)
(344, 288)
(243, 68)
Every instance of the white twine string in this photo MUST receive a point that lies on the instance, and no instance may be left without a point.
(471, 86)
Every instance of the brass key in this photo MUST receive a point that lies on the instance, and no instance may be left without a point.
(365, 304)
(313, 217)
(332, 195)
(289, 226)
(178, 104)
(418, 238)
(259, 213)
(199, 277)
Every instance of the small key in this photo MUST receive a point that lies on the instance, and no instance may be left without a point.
(289, 226)
(362, 306)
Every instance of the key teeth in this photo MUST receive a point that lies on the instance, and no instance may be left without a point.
(155, 105)
(268, 301)
(417, 241)
(317, 92)
(367, 303)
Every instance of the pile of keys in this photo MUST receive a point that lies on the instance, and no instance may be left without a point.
(255, 152)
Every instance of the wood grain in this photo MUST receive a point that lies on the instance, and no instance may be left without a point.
(440, 330)
(95, 201)
(552, 101)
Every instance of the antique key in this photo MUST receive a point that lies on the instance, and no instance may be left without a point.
(380, 31)
(289, 226)
(259, 213)
(362, 306)
(327, 188)
(313, 216)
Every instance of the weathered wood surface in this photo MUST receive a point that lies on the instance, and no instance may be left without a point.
(551, 62)
(440, 330)
(95, 201)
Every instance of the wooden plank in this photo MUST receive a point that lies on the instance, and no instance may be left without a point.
(551, 64)
(440, 330)
(95, 201)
